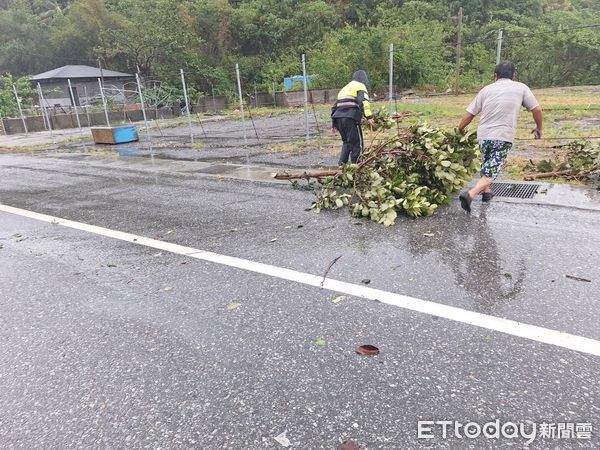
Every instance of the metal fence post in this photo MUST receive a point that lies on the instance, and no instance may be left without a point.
(187, 105)
(44, 111)
(499, 47)
(104, 102)
(305, 96)
(139, 86)
(87, 101)
(391, 93)
(20, 110)
(239, 85)
(74, 103)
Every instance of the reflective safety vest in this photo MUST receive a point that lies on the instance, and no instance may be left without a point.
(352, 101)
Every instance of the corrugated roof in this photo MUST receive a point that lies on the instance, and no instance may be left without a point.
(78, 71)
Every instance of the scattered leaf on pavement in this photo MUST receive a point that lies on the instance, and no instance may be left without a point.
(283, 440)
(487, 338)
(428, 234)
(367, 350)
(233, 306)
(111, 265)
(273, 240)
(365, 281)
(508, 274)
(349, 445)
(339, 298)
(168, 288)
(320, 341)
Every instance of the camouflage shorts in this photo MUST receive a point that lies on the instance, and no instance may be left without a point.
(494, 154)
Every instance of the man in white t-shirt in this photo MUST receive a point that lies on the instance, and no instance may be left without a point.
(499, 104)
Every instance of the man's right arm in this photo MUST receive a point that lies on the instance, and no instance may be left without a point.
(472, 110)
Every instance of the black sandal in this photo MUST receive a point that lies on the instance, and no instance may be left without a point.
(487, 196)
(465, 201)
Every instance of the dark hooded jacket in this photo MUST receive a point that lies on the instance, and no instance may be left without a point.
(353, 99)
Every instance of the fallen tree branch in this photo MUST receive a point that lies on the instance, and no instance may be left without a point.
(303, 175)
(329, 268)
(535, 176)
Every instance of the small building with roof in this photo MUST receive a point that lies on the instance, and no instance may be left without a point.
(84, 81)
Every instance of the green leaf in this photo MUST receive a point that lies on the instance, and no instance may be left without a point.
(320, 341)
(339, 298)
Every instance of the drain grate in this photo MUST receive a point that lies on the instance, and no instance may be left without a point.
(515, 190)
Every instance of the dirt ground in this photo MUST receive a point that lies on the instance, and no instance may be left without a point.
(277, 138)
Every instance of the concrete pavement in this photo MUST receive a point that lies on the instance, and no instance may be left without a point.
(110, 344)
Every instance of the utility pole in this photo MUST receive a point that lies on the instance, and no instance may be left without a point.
(499, 47)
(458, 45)
(391, 77)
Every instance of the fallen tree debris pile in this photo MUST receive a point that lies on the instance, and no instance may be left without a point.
(383, 120)
(414, 174)
(580, 162)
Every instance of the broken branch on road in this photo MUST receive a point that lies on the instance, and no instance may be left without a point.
(329, 268)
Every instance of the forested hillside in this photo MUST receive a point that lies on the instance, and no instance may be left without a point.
(553, 42)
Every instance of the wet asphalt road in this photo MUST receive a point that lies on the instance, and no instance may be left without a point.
(107, 344)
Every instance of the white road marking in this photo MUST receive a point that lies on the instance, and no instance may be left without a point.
(507, 326)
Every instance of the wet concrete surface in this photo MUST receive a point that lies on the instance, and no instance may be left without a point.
(105, 344)
(269, 140)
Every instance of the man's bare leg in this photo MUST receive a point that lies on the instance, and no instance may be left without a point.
(483, 185)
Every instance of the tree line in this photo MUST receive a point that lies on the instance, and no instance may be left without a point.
(553, 42)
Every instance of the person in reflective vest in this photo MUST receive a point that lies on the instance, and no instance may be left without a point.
(351, 106)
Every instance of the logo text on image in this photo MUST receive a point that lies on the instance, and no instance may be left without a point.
(530, 431)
